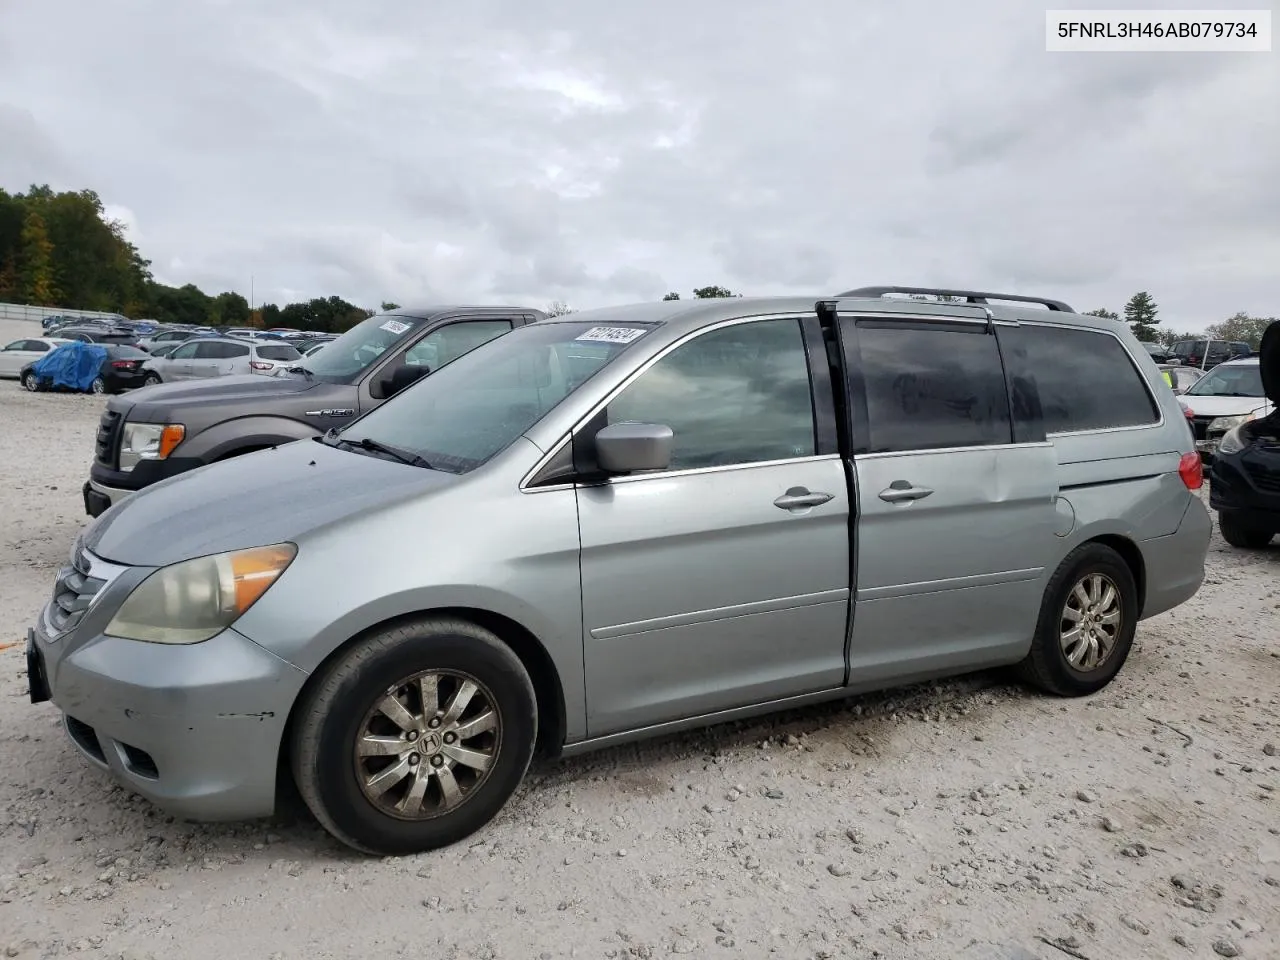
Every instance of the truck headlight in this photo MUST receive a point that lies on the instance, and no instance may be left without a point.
(192, 601)
(148, 441)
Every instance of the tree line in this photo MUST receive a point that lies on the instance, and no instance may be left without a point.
(1143, 316)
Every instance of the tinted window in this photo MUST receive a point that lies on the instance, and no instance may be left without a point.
(128, 353)
(740, 394)
(929, 388)
(37, 346)
(278, 352)
(1086, 380)
(230, 351)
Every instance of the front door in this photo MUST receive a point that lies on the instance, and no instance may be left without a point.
(180, 362)
(724, 580)
(957, 507)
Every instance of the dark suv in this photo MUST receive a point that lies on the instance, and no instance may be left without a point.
(1245, 478)
(1207, 354)
(169, 428)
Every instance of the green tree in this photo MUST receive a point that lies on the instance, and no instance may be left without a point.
(672, 296)
(388, 306)
(709, 293)
(228, 309)
(35, 269)
(1104, 313)
(1241, 326)
(1141, 314)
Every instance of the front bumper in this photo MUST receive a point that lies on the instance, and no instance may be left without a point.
(195, 729)
(1254, 493)
(111, 486)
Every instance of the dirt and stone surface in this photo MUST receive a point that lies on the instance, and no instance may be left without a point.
(966, 820)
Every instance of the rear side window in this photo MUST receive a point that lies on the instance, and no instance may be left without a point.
(1086, 380)
(232, 350)
(278, 352)
(931, 386)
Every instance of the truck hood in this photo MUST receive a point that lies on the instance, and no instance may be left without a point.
(153, 404)
(260, 498)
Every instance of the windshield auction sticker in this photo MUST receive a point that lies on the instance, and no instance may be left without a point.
(612, 334)
(395, 326)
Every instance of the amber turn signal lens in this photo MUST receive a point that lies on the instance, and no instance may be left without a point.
(252, 571)
(170, 437)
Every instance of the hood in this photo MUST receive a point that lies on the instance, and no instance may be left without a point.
(261, 498)
(153, 403)
(1269, 361)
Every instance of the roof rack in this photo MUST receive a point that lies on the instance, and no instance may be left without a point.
(969, 296)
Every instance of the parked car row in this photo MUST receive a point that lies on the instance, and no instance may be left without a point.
(571, 532)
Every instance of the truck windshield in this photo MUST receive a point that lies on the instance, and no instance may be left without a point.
(345, 358)
(468, 411)
(1230, 381)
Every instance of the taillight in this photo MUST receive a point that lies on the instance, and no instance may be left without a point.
(124, 364)
(1191, 470)
(260, 365)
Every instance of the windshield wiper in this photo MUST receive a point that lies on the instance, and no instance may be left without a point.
(377, 446)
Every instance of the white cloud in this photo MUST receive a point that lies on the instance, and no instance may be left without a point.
(600, 153)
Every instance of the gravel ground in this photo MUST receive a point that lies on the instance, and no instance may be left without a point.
(968, 819)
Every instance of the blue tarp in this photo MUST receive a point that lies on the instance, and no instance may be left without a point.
(72, 365)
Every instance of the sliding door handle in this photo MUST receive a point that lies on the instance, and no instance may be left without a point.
(900, 491)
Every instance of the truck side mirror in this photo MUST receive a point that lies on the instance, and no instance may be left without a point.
(402, 377)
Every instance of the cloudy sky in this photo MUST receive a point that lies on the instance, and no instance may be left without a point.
(599, 153)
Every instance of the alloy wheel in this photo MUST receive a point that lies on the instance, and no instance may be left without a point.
(1090, 623)
(427, 745)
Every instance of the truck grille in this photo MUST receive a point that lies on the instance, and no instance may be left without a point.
(73, 592)
(107, 444)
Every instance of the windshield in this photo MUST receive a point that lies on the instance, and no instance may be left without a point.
(352, 353)
(466, 412)
(1230, 381)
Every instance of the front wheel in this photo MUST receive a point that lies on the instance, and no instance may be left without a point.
(31, 381)
(1087, 621)
(1241, 534)
(415, 737)
(151, 379)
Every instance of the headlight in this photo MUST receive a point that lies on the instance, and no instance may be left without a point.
(148, 441)
(191, 601)
(1233, 440)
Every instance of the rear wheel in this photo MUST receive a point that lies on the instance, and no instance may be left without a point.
(1086, 626)
(98, 386)
(1239, 533)
(416, 737)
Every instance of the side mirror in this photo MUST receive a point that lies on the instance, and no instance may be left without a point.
(633, 447)
(405, 375)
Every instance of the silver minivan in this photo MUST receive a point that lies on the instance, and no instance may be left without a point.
(203, 357)
(619, 523)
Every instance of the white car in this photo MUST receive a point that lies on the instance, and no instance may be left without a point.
(202, 357)
(18, 354)
(1224, 398)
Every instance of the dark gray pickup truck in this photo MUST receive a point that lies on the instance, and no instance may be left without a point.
(160, 431)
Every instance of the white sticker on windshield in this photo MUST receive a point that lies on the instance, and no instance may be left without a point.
(613, 334)
(395, 326)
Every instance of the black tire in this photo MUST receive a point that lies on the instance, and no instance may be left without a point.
(336, 708)
(1046, 666)
(151, 379)
(1238, 533)
(31, 381)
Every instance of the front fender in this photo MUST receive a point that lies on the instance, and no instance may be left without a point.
(243, 433)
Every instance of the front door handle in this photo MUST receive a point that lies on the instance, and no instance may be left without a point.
(800, 498)
(901, 491)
